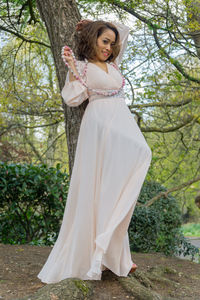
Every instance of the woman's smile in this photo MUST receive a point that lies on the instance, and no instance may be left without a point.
(104, 45)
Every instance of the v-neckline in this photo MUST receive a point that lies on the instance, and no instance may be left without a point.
(101, 68)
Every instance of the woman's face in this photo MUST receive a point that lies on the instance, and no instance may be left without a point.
(104, 45)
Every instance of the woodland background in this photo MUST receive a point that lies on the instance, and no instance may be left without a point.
(161, 66)
(38, 135)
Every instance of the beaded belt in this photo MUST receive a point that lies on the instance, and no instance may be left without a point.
(94, 97)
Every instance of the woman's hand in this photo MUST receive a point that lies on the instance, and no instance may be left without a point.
(82, 23)
(68, 56)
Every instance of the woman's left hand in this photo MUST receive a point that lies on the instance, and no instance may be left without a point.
(81, 23)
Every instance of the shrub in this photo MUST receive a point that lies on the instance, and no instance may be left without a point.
(157, 228)
(32, 200)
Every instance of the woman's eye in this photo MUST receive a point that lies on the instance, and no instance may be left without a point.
(105, 42)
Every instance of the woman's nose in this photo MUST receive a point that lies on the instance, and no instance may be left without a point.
(108, 47)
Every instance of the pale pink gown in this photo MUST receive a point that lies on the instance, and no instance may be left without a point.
(111, 162)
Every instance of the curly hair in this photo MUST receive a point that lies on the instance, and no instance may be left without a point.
(87, 40)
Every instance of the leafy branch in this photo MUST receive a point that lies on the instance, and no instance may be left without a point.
(165, 194)
(19, 35)
(155, 28)
(188, 120)
(161, 104)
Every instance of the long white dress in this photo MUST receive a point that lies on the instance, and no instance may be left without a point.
(111, 162)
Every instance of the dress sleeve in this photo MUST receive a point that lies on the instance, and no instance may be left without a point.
(123, 33)
(73, 92)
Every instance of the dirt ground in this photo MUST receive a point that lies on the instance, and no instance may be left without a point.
(20, 264)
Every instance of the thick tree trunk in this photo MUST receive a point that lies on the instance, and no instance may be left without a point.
(60, 18)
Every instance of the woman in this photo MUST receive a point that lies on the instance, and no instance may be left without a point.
(111, 162)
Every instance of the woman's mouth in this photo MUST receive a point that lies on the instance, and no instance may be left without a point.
(105, 54)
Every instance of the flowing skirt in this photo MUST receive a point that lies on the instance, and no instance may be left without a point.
(111, 162)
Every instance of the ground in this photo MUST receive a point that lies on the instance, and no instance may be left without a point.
(20, 264)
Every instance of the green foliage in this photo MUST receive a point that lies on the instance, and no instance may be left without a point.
(23, 11)
(191, 229)
(157, 228)
(32, 200)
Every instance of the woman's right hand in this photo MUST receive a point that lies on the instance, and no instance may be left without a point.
(68, 56)
(69, 59)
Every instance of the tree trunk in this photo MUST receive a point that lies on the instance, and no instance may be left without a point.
(60, 18)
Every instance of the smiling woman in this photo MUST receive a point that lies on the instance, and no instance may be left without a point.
(98, 34)
(111, 162)
(105, 42)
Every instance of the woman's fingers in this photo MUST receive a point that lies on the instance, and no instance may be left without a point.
(67, 55)
(67, 52)
(81, 23)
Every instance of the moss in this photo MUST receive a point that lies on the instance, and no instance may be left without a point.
(81, 285)
(169, 270)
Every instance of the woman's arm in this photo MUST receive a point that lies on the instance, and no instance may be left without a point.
(68, 57)
(123, 33)
(73, 92)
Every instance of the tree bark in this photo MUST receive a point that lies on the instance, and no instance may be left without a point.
(60, 18)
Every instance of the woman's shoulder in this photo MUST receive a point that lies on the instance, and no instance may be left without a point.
(115, 65)
(81, 62)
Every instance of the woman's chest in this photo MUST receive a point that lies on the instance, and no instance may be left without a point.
(97, 78)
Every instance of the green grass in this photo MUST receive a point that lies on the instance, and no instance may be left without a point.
(191, 229)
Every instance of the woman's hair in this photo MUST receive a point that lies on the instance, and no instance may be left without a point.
(87, 40)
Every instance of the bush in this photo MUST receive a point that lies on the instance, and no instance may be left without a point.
(157, 228)
(32, 200)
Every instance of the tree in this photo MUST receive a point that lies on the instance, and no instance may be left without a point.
(60, 18)
(169, 92)
(163, 87)
(30, 102)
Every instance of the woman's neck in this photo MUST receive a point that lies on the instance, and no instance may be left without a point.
(97, 62)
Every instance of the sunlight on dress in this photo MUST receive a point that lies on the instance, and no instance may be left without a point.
(111, 162)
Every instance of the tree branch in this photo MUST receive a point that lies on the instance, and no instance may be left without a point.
(17, 34)
(34, 149)
(175, 62)
(155, 27)
(165, 194)
(160, 104)
(14, 126)
(32, 16)
(135, 14)
(54, 141)
(170, 129)
(21, 11)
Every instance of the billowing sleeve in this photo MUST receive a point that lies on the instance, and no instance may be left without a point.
(73, 92)
(123, 33)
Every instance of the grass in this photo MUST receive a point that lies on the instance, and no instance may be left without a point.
(191, 229)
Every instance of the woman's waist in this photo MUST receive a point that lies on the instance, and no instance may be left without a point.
(103, 98)
(96, 97)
